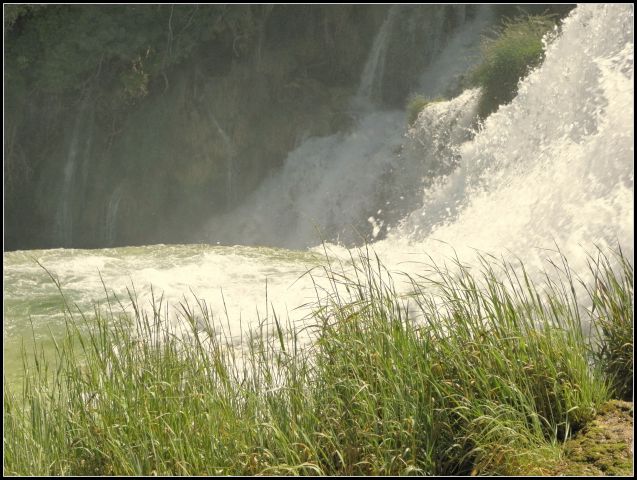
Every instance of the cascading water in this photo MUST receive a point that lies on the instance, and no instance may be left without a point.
(111, 215)
(462, 52)
(553, 167)
(326, 184)
(230, 155)
(63, 219)
(333, 187)
(75, 172)
(431, 152)
(372, 76)
(316, 186)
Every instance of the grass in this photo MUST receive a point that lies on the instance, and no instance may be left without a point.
(479, 371)
(612, 298)
(514, 49)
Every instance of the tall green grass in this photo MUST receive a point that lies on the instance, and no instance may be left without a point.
(612, 296)
(475, 371)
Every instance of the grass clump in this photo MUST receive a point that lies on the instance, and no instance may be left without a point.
(612, 296)
(515, 48)
(416, 104)
(472, 372)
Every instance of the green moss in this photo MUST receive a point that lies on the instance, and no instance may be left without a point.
(513, 10)
(617, 407)
(605, 456)
(416, 104)
(602, 448)
(515, 50)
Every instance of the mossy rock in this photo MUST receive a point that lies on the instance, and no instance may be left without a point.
(604, 447)
(515, 50)
(416, 104)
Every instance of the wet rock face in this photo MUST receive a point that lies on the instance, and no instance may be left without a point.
(422, 35)
(212, 139)
(208, 130)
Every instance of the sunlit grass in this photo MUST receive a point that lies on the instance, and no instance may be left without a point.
(612, 296)
(475, 371)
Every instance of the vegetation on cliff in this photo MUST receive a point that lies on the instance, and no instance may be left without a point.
(513, 50)
(416, 104)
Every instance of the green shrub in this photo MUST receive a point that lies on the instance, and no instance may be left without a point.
(416, 104)
(515, 10)
(509, 56)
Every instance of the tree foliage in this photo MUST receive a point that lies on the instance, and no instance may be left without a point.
(62, 49)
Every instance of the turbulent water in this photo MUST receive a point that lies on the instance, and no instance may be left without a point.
(240, 284)
(552, 169)
(555, 167)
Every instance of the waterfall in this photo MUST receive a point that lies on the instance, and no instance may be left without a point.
(337, 188)
(64, 215)
(111, 215)
(552, 169)
(326, 186)
(431, 151)
(555, 166)
(400, 27)
(372, 76)
(230, 155)
(75, 175)
(460, 54)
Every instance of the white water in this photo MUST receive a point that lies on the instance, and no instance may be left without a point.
(240, 285)
(553, 167)
(327, 184)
